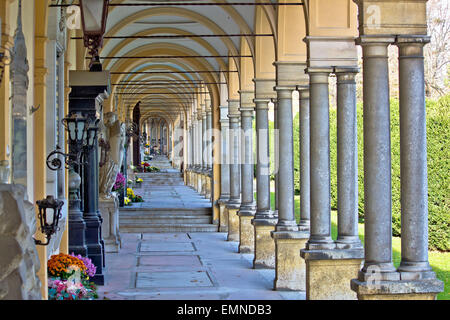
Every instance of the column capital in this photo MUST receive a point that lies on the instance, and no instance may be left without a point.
(291, 73)
(264, 88)
(262, 104)
(411, 46)
(304, 94)
(346, 74)
(412, 39)
(371, 40)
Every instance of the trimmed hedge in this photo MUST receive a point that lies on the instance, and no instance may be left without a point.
(438, 139)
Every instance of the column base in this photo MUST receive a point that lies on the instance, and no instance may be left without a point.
(203, 184)
(223, 215)
(233, 223)
(290, 268)
(397, 290)
(246, 231)
(264, 244)
(208, 187)
(329, 272)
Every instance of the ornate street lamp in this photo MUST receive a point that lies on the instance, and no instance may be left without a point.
(49, 221)
(94, 14)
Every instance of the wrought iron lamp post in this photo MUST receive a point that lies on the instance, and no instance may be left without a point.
(77, 128)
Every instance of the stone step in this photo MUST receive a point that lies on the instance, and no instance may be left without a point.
(148, 212)
(163, 219)
(156, 228)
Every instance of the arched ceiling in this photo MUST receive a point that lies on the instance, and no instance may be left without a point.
(151, 33)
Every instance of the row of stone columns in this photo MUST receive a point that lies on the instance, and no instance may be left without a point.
(304, 255)
(414, 279)
(199, 166)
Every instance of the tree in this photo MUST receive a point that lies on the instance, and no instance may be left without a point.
(436, 53)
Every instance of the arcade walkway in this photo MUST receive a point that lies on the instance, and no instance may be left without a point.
(186, 266)
(180, 265)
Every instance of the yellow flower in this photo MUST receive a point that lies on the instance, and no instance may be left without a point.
(130, 193)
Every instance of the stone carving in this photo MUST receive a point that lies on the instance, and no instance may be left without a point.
(19, 261)
(19, 78)
(114, 136)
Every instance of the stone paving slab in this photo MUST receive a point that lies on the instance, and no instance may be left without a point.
(166, 246)
(179, 237)
(215, 271)
(173, 279)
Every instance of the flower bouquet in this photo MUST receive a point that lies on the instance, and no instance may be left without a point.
(69, 278)
(133, 197)
(120, 183)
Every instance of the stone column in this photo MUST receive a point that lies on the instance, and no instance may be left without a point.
(305, 200)
(413, 155)
(415, 279)
(347, 160)
(209, 150)
(265, 220)
(193, 151)
(248, 207)
(204, 151)
(200, 150)
(320, 237)
(276, 142)
(234, 203)
(377, 161)
(224, 170)
(289, 267)
(329, 268)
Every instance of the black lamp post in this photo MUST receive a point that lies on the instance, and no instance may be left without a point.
(77, 129)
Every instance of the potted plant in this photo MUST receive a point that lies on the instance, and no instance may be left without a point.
(119, 187)
(69, 278)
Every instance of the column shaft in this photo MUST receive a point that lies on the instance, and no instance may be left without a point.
(286, 215)
(247, 169)
(204, 142)
(235, 181)
(320, 237)
(347, 160)
(413, 156)
(276, 143)
(377, 158)
(208, 139)
(263, 159)
(305, 197)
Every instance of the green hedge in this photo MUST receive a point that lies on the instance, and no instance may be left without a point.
(438, 139)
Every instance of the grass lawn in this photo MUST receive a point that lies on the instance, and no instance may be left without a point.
(440, 261)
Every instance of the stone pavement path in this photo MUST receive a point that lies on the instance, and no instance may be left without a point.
(186, 266)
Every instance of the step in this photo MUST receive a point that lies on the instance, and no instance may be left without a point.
(159, 228)
(148, 212)
(149, 221)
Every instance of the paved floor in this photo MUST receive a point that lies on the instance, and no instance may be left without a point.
(183, 266)
(186, 266)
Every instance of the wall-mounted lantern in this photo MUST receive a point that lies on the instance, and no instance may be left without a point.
(77, 128)
(49, 220)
